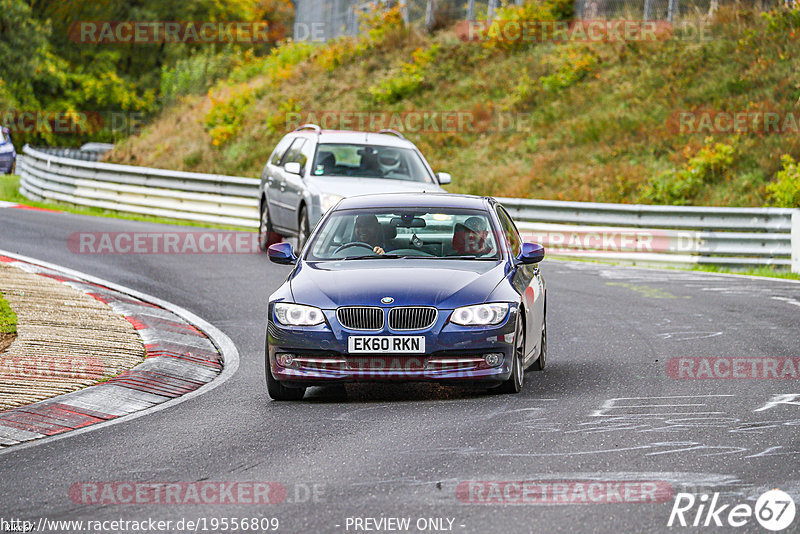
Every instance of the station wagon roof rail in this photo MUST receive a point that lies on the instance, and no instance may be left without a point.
(393, 132)
(309, 127)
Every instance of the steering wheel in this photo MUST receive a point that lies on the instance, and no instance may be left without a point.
(354, 244)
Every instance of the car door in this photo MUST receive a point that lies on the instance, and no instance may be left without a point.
(528, 281)
(286, 216)
(295, 184)
(272, 177)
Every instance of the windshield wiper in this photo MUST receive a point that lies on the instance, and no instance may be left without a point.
(467, 257)
(376, 257)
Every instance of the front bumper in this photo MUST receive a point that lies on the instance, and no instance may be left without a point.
(453, 353)
(6, 162)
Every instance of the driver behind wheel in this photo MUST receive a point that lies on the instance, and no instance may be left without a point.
(369, 230)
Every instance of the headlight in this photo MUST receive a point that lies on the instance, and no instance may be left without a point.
(298, 315)
(480, 315)
(6, 147)
(328, 200)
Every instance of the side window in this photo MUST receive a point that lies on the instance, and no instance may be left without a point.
(306, 155)
(293, 152)
(280, 150)
(510, 231)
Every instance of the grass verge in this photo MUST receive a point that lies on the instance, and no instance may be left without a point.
(764, 272)
(8, 319)
(9, 192)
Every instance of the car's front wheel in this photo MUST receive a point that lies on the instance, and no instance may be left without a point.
(304, 228)
(514, 382)
(266, 235)
(278, 391)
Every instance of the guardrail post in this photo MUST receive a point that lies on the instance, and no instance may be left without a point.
(796, 241)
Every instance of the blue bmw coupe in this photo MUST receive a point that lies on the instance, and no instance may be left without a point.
(408, 287)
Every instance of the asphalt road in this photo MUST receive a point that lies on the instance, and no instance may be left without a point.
(605, 409)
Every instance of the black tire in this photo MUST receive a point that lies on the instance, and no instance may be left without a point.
(278, 391)
(514, 383)
(541, 361)
(266, 235)
(304, 229)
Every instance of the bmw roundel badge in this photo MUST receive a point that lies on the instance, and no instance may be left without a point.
(387, 300)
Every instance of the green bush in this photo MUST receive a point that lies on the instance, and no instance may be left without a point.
(411, 77)
(277, 123)
(497, 34)
(570, 66)
(276, 65)
(195, 74)
(225, 117)
(784, 192)
(711, 163)
(782, 21)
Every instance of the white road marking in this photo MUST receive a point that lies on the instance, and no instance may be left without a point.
(784, 398)
(652, 402)
(787, 300)
(687, 336)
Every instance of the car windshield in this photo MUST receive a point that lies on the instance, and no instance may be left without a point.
(370, 161)
(435, 233)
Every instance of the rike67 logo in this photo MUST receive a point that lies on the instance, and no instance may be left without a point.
(774, 510)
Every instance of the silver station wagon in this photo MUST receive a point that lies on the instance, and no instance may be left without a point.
(311, 169)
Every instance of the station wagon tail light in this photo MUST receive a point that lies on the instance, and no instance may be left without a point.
(298, 315)
(480, 314)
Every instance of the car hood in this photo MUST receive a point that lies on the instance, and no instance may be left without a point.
(445, 284)
(348, 186)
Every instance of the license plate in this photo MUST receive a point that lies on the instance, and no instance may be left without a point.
(386, 344)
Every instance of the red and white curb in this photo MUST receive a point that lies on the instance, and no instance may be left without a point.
(185, 356)
(5, 204)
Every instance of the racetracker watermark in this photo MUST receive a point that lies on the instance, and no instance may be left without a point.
(205, 492)
(602, 240)
(419, 121)
(159, 32)
(72, 122)
(194, 242)
(581, 31)
(733, 368)
(734, 122)
(50, 367)
(59, 122)
(563, 491)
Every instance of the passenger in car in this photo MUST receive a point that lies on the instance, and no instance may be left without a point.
(470, 237)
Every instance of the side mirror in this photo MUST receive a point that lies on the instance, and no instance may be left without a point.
(444, 178)
(531, 253)
(292, 167)
(282, 254)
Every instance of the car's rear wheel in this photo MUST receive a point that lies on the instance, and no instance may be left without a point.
(540, 362)
(514, 382)
(278, 391)
(304, 228)
(266, 235)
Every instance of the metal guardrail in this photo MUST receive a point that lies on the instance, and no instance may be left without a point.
(208, 198)
(641, 234)
(677, 235)
(72, 153)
